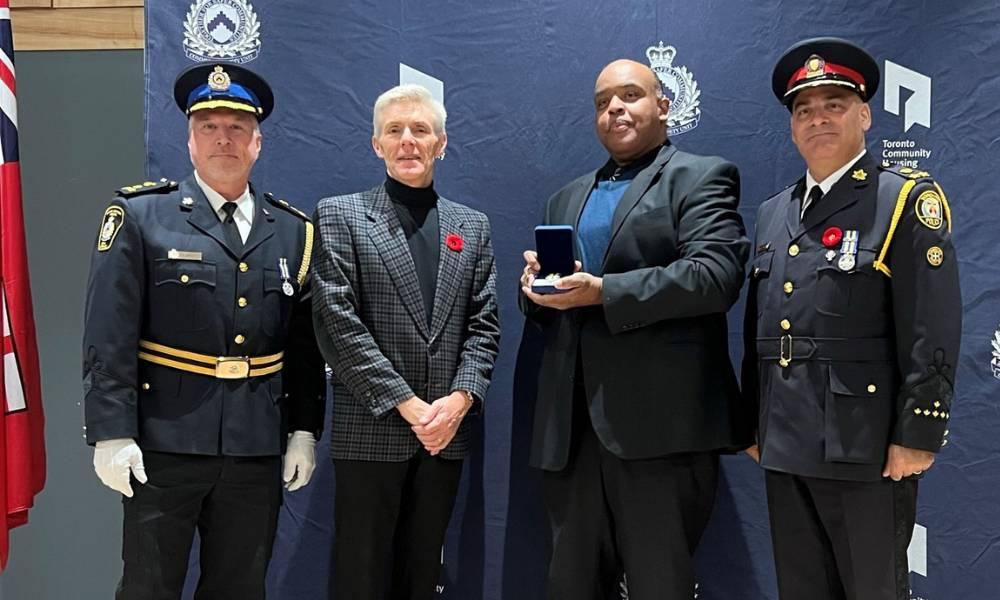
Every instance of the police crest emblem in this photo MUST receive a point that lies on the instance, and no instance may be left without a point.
(113, 219)
(679, 85)
(929, 209)
(995, 363)
(222, 30)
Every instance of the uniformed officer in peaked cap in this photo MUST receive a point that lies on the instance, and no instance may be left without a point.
(852, 338)
(200, 368)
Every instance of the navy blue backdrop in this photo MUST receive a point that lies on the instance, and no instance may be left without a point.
(517, 79)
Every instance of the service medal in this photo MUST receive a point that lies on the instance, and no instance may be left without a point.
(286, 285)
(848, 250)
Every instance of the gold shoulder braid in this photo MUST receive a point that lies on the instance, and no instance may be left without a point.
(307, 250)
(897, 213)
(913, 177)
(306, 254)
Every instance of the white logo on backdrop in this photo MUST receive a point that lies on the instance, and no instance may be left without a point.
(917, 109)
(680, 87)
(222, 30)
(916, 553)
(435, 86)
(995, 363)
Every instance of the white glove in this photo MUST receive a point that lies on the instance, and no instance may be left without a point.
(300, 457)
(114, 459)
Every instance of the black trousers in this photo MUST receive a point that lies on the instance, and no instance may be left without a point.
(841, 540)
(390, 523)
(643, 517)
(233, 502)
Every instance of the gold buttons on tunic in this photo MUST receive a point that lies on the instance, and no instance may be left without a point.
(871, 388)
(239, 339)
(185, 278)
(793, 250)
(145, 386)
(242, 302)
(788, 287)
(786, 324)
(244, 267)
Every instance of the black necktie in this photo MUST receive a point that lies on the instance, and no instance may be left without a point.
(229, 225)
(814, 196)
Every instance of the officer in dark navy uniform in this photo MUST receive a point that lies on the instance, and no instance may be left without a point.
(200, 367)
(852, 338)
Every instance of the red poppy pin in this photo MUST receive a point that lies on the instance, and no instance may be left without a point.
(832, 237)
(454, 242)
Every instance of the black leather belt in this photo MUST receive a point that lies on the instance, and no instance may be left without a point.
(788, 348)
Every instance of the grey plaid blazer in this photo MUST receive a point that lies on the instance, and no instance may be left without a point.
(372, 327)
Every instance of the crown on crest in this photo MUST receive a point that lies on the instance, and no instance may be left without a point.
(661, 57)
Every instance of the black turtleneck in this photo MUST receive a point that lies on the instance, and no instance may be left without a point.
(417, 212)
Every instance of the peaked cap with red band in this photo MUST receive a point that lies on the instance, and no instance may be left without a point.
(824, 61)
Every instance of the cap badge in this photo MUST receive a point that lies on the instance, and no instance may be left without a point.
(814, 66)
(218, 80)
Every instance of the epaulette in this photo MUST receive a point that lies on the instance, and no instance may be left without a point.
(286, 206)
(904, 172)
(307, 248)
(931, 206)
(149, 187)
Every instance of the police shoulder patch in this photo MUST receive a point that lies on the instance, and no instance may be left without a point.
(284, 205)
(930, 209)
(147, 187)
(114, 218)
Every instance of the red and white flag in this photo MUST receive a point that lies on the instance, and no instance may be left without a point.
(22, 438)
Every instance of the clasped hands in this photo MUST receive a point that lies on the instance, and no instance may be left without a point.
(584, 288)
(435, 424)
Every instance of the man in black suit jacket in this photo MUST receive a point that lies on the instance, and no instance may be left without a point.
(406, 316)
(636, 391)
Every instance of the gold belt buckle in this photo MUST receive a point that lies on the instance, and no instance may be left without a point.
(786, 354)
(232, 367)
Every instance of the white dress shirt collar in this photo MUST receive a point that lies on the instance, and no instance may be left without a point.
(833, 178)
(243, 215)
(826, 184)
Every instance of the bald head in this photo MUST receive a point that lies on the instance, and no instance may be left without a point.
(633, 70)
(630, 110)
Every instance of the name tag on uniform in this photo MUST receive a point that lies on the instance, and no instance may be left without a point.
(183, 255)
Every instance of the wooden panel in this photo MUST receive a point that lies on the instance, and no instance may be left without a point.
(30, 3)
(94, 3)
(77, 28)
